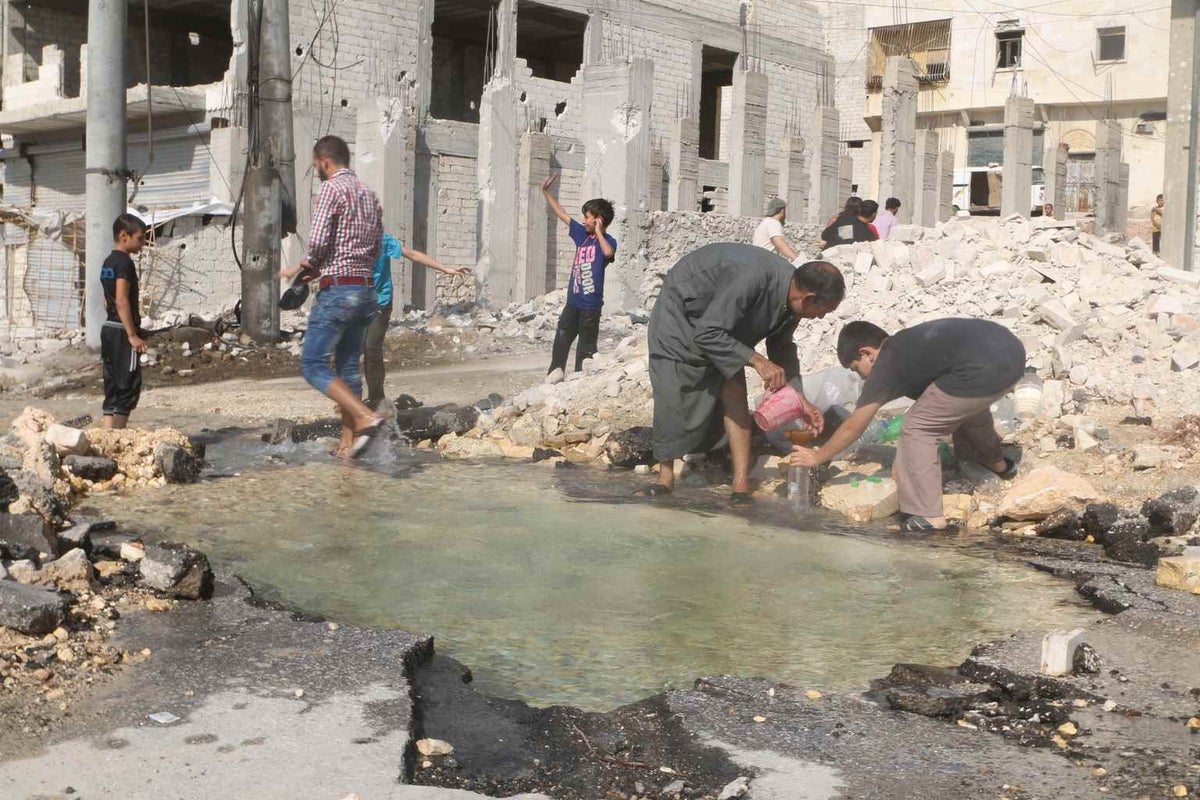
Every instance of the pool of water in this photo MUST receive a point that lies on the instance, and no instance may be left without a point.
(554, 590)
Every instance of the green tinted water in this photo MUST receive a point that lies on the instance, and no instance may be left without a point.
(553, 597)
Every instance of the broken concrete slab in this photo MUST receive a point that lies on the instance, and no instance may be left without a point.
(1058, 651)
(30, 609)
(71, 572)
(1044, 491)
(861, 498)
(67, 440)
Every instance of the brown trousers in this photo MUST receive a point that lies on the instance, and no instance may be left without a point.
(373, 370)
(937, 416)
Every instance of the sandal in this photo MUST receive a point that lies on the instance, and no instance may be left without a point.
(364, 437)
(741, 499)
(652, 491)
(913, 523)
(1010, 469)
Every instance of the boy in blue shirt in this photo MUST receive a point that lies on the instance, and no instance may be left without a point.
(373, 371)
(594, 251)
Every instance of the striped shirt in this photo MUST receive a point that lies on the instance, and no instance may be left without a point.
(347, 228)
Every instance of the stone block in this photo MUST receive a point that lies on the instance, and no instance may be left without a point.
(30, 609)
(630, 447)
(25, 530)
(67, 440)
(91, 468)
(1174, 513)
(1053, 397)
(1058, 651)
(931, 274)
(176, 464)
(72, 572)
(1044, 491)
(1179, 276)
(958, 506)
(176, 571)
(454, 446)
(1056, 314)
(1180, 572)
(1185, 356)
(861, 499)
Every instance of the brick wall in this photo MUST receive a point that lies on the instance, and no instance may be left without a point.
(542, 97)
(190, 269)
(561, 250)
(458, 203)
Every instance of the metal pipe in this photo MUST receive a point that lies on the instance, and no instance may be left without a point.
(105, 166)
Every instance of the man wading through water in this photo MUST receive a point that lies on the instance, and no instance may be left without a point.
(347, 230)
(716, 304)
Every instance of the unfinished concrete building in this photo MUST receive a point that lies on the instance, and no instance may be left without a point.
(456, 110)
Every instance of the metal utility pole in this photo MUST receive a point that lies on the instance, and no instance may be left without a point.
(270, 189)
(105, 173)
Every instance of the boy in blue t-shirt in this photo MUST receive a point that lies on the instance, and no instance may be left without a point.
(373, 372)
(594, 251)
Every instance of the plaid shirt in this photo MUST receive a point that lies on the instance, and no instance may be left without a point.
(347, 228)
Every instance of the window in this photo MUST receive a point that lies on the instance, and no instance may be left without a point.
(464, 37)
(1008, 48)
(716, 82)
(550, 40)
(1110, 45)
(926, 43)
(855, 144)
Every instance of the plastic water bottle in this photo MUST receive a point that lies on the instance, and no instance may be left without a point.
(1027, 396)
(799, 487)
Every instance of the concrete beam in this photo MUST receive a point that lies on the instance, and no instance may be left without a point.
(1016, 187)
(683, 166)
(385, 160)
(794, 176)
(747, 143)
(925, 192)
(824, 166)
(532, 221)
(899, 131)
(617, 142)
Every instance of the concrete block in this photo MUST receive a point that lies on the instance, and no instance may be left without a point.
(1185, 356)
(1180, 572)
(1058, 651)
(1053, 397)
(1179, 276)
(30, 609)
(932, 274)
(1044, 491)
(861, 499)
(1056, 314)
(67, 440)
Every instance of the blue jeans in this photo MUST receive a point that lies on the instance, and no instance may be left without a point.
(336, 328)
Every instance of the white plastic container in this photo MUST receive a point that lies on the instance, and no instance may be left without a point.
(1027, 396)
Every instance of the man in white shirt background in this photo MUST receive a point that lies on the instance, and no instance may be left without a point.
(769, 233)
(886, 220)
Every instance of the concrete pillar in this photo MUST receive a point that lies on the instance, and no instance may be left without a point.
(945, 185)
(295, 246)
(845, 176)
(1120, 215)
(497, 175)
(385, 160)
(683, 166)
(424, 75)
(747, 144)
(1016, 186)
(617, 143)
(105, 142)
(925, 192)
(532, 221)
(658, 169)
(824, 166)
(794, 177)
(1182, 146)
(422, 289)
(898, 150)
(1108, 176)
(1055, 165)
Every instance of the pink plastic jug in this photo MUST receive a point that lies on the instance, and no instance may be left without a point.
(779, 408)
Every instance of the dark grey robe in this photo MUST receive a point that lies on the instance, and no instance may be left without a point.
(716, 304)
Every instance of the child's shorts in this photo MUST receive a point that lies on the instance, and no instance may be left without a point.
(122, 371)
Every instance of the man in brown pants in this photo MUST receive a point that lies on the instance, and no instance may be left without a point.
(955, 369)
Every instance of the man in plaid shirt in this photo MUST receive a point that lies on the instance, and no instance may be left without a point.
(347, 230)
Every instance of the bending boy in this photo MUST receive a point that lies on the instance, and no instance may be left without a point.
(955, 369)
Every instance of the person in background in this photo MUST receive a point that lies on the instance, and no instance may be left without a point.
(347, 229)
(1156, 215)
(121, 337)
(594, 251)
(716, 305)
(373, 369)
(955, 369)
(1048, 210)
(869, 213)
(886, 220)
(848, 227)
(769, 233)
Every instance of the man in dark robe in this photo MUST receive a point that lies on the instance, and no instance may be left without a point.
(717, 303)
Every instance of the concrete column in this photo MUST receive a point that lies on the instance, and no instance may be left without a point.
(506, 38)
(295, 246)
(658, 169)
(531, 217)
(1120, 215)
(925, 192)
(1056, 179)
(424, 57)
(824, 166)
(617, 143)
(747, 144)
(385, 160)
(794, 177)
(422, 289)
(1108, 176)
(593, 39)
(898, 150)
(683, 167)
(497, 174)
(945, 187)
(845, 176)
(1016, 183)
(105, 142)
(1182, 146)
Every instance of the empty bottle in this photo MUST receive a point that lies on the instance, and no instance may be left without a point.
(799, 487)
(1027, 396)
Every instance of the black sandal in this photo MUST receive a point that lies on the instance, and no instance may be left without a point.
(1010, 470)
(913, 523)
(741, 499)
(652, 491)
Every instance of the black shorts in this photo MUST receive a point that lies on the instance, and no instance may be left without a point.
(122, 372)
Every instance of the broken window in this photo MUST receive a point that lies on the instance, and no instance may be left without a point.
(716, 79)
(1110, 44)
(550, 40)
(464, 43)
(926, 43)
(1008, 48)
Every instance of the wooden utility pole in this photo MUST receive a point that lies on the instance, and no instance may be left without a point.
(270, 188)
